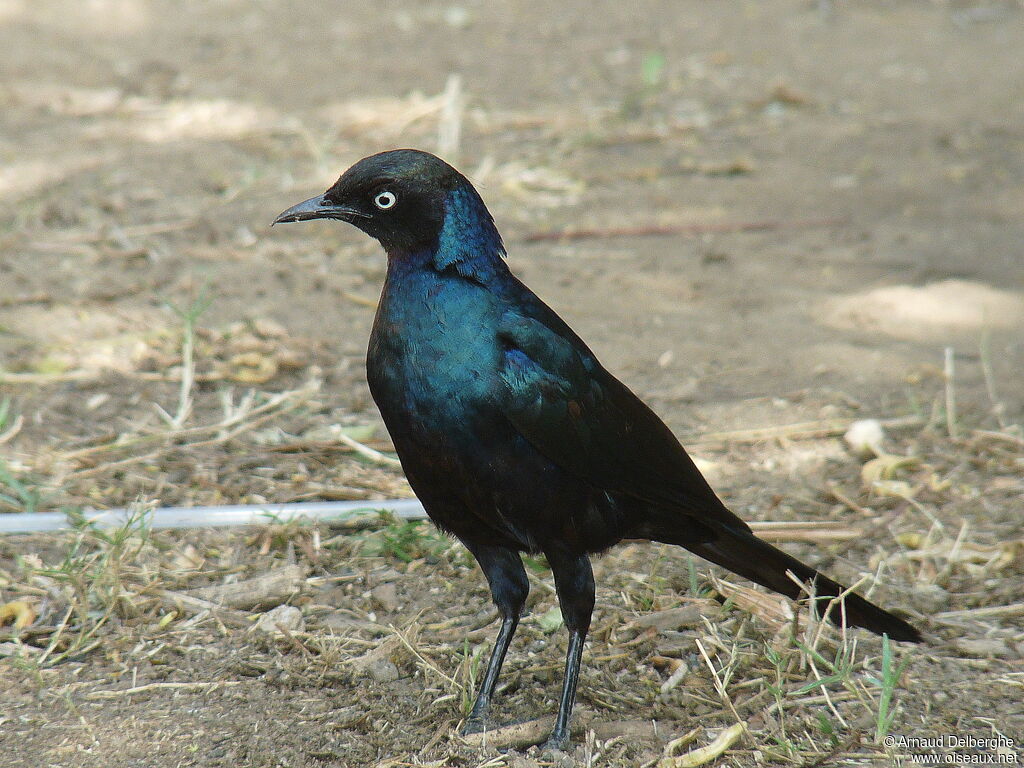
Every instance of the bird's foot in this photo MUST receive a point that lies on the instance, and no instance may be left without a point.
(476, 724)
(557, 742)
(478, 720)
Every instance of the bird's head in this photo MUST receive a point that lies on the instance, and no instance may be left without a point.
(412, 202)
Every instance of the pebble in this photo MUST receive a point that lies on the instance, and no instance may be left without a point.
(385, 596)
(287, 616)
(382, 671)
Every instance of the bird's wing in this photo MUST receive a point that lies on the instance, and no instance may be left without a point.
(583, 419)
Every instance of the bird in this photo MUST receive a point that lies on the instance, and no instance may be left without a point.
(510, 431)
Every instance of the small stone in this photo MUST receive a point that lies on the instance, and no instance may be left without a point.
(382, 670)
(287, 617)
(385, 597)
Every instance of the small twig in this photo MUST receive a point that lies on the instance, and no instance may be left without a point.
(438, 735)
(841, 497)
(293, 639)
(774, 609)
(991, 611)
(719, 685)
(801, 431)
(83, 374)
(517, 735)
(824, 690)
(12, 430)
(426, 664)
(1003, 437)
(52, 645)
(270, 589)
(686, 230)
(279, 400)
(530, 732)
(228, 616)
(355, 298)
(949, 374)
(998, 409)
(806, 701)
(323, 446)
(675, 678)
(799, 531)
(367, 452)
(701, 755)
(188, 317)
(826, 758)
(161, 686)
(188, 372)
(111, 465)
(8, 377)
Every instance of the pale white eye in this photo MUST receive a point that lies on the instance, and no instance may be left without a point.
(385, 200)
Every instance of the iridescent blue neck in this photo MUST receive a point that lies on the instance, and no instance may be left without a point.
(469, 242)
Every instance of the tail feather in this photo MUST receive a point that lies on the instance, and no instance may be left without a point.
(754, 559)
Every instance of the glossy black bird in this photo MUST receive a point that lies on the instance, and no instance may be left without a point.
(510, 431)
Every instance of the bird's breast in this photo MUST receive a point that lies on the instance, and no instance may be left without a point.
(432, 353)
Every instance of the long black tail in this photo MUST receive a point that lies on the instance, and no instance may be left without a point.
(757, 560)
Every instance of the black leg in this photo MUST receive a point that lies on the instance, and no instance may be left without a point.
(509, 589)
(574, 582)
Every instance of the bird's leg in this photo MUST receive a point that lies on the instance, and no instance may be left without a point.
(477, 719)
(509, 589)
(559, 738)
(574, 582)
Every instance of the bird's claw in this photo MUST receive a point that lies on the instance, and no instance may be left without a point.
(556, 743)
(475, 725)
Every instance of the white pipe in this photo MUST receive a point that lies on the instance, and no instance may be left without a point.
(215, 517)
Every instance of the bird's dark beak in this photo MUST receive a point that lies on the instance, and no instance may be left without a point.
(318, 207)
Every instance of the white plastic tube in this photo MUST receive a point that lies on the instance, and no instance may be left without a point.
(216, 517)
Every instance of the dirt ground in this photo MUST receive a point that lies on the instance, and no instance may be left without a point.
(777, 215)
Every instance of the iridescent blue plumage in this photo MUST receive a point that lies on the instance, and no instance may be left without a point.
(468, 240)
(508, 428)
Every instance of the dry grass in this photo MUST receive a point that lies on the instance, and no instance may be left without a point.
(107, 624)
(807, 179)
(385, 611)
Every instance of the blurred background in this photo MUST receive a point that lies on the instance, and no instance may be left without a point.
(876, 146)
(760, 215)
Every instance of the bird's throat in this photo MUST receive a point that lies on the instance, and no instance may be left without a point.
(468, 242)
